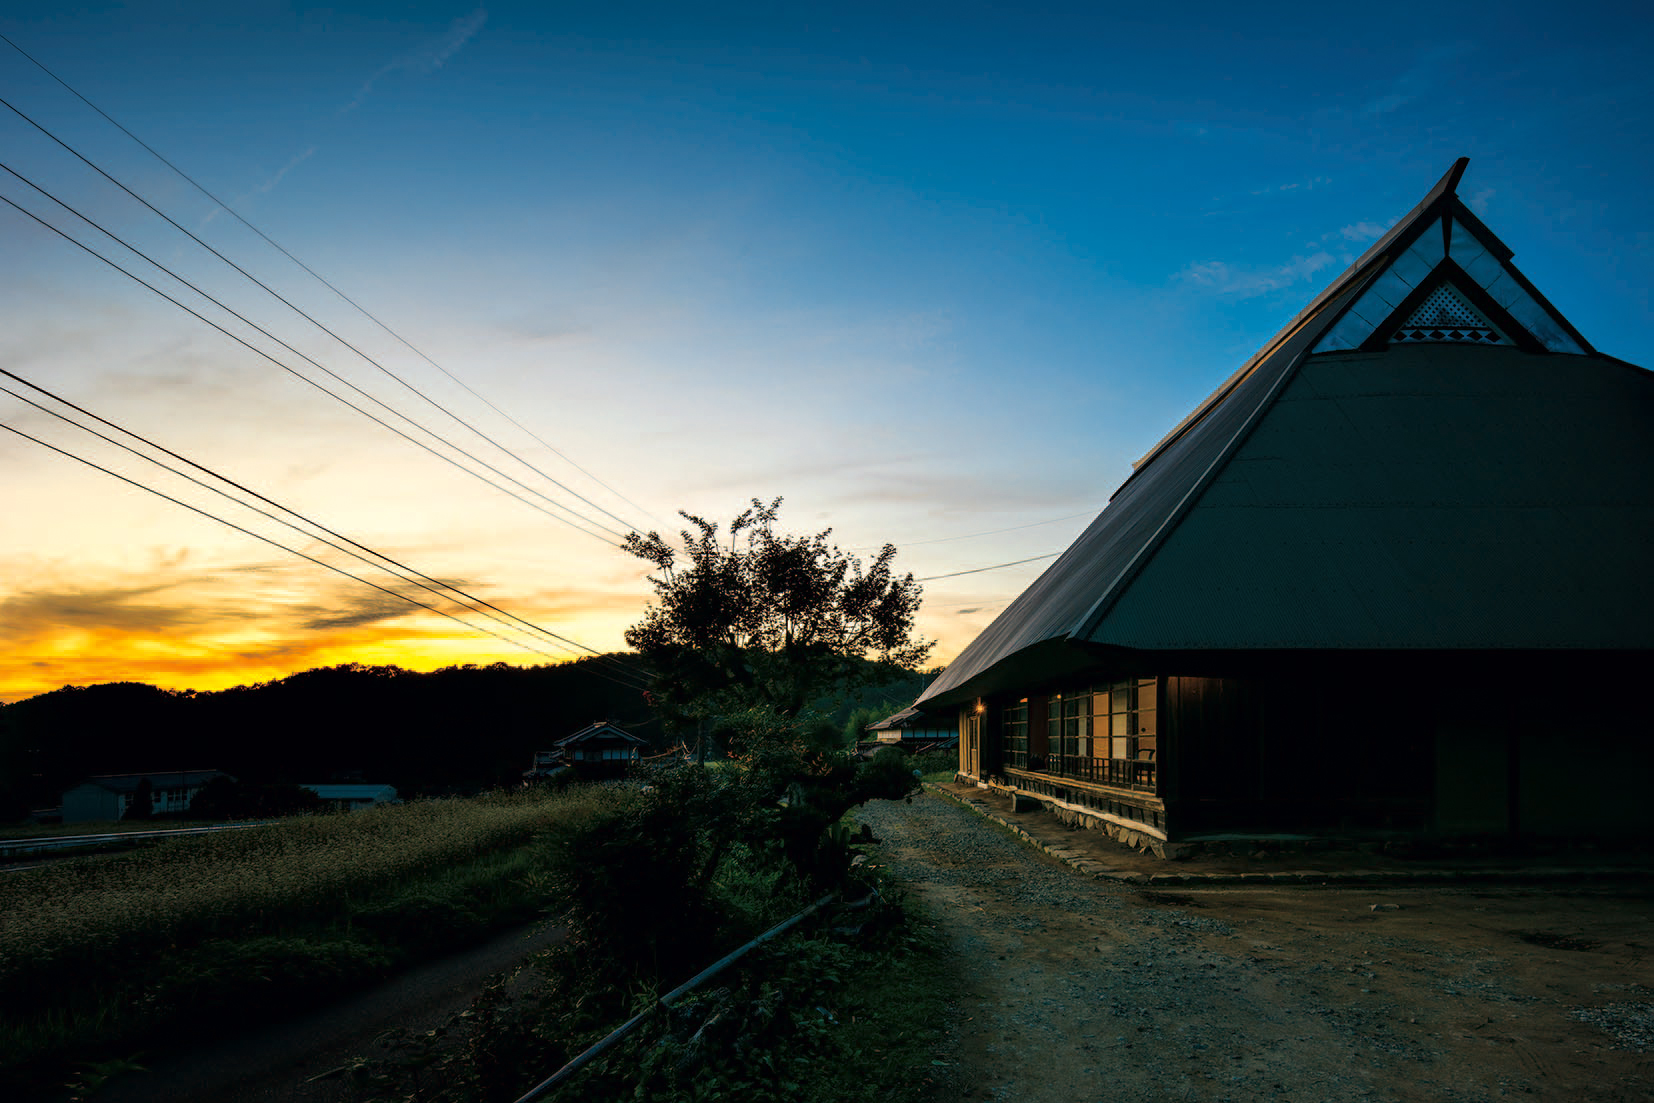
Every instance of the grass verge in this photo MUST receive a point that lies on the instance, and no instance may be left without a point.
(204, 934)
(853, 1005)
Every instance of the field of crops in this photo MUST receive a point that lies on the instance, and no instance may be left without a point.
(79, 935)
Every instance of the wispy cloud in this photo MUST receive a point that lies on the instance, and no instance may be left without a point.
(1361, 231)
(427, 59)
(356, 610)
(1297, 185)
(1417, 80)
(1245, 282)
(29, 614)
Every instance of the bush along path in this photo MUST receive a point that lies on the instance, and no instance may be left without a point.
(849, 1002)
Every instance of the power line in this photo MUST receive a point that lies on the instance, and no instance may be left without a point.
(994, 567)
(992, 532)
(295, 551)
(285, 302)
(287, 368)
(233, 213)
(273, 543)
(418, 578)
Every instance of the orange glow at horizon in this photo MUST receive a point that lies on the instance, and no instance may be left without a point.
(190, 637)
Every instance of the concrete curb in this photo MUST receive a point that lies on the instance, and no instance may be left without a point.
(1423, 877)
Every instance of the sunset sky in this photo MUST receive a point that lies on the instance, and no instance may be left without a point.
(935, 273)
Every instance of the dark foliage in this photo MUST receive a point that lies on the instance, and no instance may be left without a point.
(457, 730)
(767, 620)
(228, 798)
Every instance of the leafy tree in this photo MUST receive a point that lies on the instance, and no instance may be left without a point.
(750, 629)
(765, 620)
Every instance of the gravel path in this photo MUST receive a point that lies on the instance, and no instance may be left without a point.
(1077, 989)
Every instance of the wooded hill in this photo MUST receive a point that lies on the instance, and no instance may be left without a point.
(459, 729)
(456, 730)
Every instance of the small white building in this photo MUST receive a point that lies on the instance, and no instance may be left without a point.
(110, 796)
(349, 798)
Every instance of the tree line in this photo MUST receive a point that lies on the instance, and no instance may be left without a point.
(456, 730)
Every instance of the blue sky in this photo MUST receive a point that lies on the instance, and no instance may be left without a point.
(927, 271)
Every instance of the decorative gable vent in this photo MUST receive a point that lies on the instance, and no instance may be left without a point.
(1444, 315)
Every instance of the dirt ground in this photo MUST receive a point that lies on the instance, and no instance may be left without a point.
(1081, 989)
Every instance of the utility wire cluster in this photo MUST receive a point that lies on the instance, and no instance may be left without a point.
(404, 581)
(530, 485)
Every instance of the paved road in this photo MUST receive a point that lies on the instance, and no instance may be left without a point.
(274, 1064)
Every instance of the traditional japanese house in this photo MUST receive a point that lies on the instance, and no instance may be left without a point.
(600, 748)
(913, 731)
(1396, 574)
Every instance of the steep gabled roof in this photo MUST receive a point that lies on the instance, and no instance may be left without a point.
(1356, 486)
(601, 732)
(128, 783)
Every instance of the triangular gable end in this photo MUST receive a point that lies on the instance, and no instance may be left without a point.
(1451, 280)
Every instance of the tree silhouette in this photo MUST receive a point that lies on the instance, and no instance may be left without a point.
(767, 621)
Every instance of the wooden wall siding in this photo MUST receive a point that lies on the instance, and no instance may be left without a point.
(1583, 768)
(1312, 751)
(1217, 743)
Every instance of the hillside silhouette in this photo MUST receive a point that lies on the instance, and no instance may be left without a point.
(455, 730)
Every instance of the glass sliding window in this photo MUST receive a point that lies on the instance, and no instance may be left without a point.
(1126, 721)
(1068, 734)
(1081, 721)
(1014, 732)
(1053, 731)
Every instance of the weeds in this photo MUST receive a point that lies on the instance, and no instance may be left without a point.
(235, 927)
(851, 1007)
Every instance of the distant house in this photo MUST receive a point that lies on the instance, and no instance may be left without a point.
(547, 764)
(601, 747)
(912, 730)
(349, 798)
(109, 796)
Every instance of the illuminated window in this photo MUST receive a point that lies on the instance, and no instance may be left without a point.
(1126, 721)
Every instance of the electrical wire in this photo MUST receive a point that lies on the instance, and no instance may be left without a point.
(233, 213)
(285, 367)
(295, 551)
(291, 306)
(307, 359)
(994, 567)
(990, 532)
(418, 578)
(273, 543)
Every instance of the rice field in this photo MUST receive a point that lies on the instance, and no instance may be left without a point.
(67, 920)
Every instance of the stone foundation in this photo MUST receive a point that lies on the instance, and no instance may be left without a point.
(1138, 836)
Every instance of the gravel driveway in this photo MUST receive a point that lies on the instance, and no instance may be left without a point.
(1077, 989)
